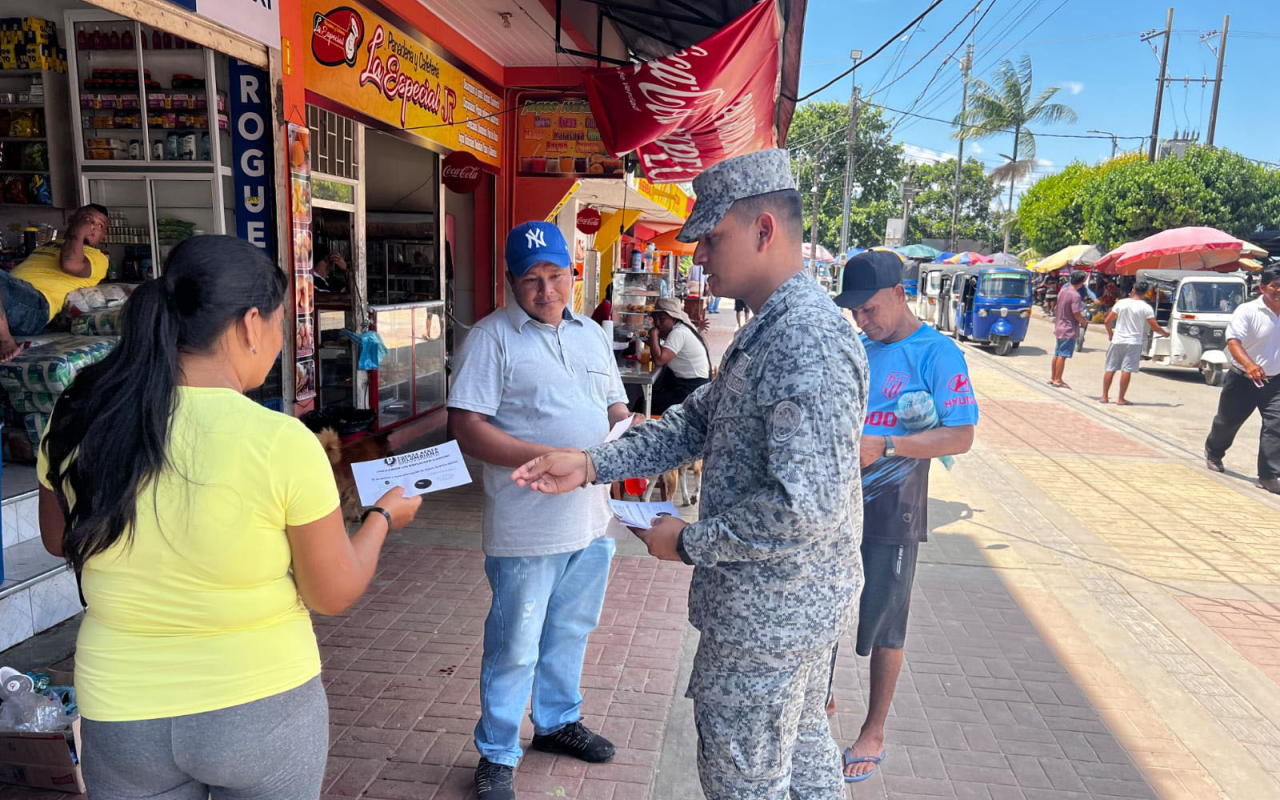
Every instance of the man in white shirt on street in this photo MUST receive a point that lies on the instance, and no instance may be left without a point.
(1253, 339)
(1125, 325)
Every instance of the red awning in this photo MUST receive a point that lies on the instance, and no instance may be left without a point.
(696, 107)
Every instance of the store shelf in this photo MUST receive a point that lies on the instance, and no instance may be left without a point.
(24, 138)
(22, 106)
(24, 172)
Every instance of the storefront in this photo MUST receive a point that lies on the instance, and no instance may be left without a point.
(394, 180)
(161, 112)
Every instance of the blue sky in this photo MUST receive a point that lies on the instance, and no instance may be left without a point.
(1089, 48)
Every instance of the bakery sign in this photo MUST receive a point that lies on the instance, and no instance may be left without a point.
(360, 60)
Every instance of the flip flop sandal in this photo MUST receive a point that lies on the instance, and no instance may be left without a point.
(861, 760)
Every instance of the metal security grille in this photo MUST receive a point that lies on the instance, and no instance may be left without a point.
(333, 144)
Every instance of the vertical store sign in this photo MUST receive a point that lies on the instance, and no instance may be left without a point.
(303, 276)
(251, 153)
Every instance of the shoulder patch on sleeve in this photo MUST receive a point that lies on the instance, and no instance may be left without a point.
(787, 419)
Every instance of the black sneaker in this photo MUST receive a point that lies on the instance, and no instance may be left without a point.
(495, 781)
(1214, 464)
(576, 740)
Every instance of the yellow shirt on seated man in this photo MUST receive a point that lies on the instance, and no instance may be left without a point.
(35, 291)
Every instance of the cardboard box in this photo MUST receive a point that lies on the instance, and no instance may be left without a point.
(43, 760)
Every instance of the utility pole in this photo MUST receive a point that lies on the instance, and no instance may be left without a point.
(848, 156)
(1217, 83)
(966, 64)
(909, 192)
(1114, 141)
(813, 235)
(1164, 68)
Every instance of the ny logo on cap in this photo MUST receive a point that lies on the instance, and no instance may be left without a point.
(536, 237)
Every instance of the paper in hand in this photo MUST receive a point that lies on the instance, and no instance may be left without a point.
(420, 472)
(617, 430)
(641, 515)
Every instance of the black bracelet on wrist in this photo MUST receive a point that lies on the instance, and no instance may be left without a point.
(377, 510)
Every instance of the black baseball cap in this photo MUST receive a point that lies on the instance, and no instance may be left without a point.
(867, 273)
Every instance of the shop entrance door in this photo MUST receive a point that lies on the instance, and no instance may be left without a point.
(339, 300)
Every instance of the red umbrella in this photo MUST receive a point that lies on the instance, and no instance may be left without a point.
(1179, 248)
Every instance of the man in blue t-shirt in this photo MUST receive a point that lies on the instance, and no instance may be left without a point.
(920, 406)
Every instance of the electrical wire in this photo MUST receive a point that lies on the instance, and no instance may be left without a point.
(945, 36)
(875, 53)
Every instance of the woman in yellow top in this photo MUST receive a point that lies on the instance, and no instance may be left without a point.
(204, 526)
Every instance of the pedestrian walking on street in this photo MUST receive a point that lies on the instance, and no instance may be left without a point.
(713, 301)
(906, 358)
(1068, 322)
(1253, 382)
(776, 564)
(741, 312)
(1126, 325)
(202, 526)
(534, 377)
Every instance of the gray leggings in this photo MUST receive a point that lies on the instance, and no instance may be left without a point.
(270, 749)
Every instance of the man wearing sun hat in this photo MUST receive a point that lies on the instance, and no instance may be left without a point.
(534, 377)
(775, 580)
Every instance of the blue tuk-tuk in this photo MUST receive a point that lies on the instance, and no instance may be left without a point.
(911, 277)
(992, 306)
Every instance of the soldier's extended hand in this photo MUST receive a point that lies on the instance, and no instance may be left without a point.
(663, 537)
(554, 473)
(871, 449)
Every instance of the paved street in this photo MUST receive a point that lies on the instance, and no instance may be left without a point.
(1095, 616)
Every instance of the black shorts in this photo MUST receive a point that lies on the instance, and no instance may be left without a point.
(739, 305)
(890, 571)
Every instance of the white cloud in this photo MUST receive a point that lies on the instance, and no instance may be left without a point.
(923, 155)
(975, 148)
(1044, 163)
(1075, 87)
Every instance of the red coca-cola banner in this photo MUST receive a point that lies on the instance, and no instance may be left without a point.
(460, 171)
(698, 106)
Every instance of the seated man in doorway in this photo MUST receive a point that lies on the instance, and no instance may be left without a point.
(331, 272)
(33, 294)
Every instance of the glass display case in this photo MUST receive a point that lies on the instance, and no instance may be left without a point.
(634, 296)
(336, 356)
(411, 378)
(149, 215)
(403, 271)
(145, 95)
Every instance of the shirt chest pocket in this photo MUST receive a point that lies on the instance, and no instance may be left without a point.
(599, 380)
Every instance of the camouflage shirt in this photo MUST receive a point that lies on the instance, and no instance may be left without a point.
(776, 552)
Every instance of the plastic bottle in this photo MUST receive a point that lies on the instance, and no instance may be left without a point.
(126, 39)
(157, 43)
(650, 252)
(113, 40)
(637, 259)
(95, 40)
(167, 40)
(82, 39)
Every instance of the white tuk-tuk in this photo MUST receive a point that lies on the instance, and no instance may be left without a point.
(1195, 308)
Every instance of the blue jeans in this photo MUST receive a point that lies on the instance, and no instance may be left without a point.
(26, 309)
(713, 307)
(534, 640)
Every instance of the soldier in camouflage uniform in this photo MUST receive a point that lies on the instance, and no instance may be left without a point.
(777, 568)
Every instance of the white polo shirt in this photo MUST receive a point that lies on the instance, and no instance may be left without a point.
(1254, 325)
(547, 384)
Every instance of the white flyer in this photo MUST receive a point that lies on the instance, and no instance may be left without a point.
(420, 472)
(617, 430)
(639, 515)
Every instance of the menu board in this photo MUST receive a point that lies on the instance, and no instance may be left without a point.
(558, 138)
(303, 277)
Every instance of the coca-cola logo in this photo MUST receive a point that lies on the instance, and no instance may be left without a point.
(589, 221)
(461, 172)
(336, 36)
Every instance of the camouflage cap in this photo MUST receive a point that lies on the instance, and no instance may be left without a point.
(731, 180)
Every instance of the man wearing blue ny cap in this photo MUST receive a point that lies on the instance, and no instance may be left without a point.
(920, 406)
(534, 377)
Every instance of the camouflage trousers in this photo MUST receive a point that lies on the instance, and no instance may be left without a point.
(762, 725)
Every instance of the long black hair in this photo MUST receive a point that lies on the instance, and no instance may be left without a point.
(107, 438)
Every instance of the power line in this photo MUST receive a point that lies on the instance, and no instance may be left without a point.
(945, 36)
(951, 122)
(877, 52)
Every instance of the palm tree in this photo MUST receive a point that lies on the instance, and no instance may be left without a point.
(1007, 106)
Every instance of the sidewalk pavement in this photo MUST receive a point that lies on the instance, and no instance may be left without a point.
(1094, 617)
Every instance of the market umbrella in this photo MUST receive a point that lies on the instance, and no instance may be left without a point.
(1195, 248)
(824, 255)
(1005, 260)
(941, 258)
(967, 258)
(919, 251)
(1077, 255)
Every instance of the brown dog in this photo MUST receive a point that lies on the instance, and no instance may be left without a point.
(341, 456)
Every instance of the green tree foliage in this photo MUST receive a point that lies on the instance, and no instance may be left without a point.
(818, 141)
(931, 214)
